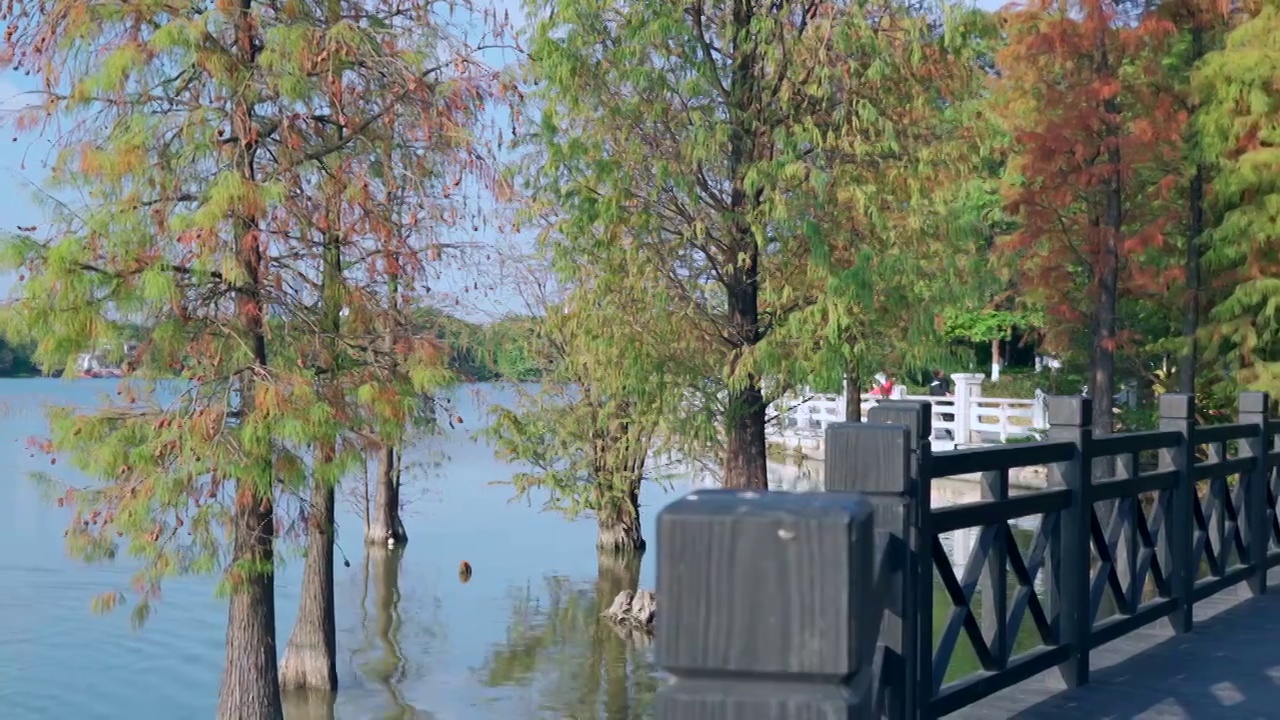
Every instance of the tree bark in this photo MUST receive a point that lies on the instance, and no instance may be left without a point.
(852, 395)
(745, 463)
(619, 454)
(386, 526)
(310, 659)
(745, 456)
(996, 358)
(1103, 386)
(250, 687)
(618, 517)
(745, 453)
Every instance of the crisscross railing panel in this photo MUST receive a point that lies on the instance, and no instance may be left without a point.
(1220, 547)
(993, 647)
(1273, 519)
(995, 628)
(1129, 547)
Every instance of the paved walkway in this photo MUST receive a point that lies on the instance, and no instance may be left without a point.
(1227, 667)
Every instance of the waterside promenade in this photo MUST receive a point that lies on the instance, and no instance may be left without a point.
(1141, 592)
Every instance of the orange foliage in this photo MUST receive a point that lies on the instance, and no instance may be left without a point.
(1079, 82)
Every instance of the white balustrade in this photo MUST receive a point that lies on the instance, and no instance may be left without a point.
(964, 418)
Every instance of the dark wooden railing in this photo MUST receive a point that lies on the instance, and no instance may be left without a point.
(783, 605)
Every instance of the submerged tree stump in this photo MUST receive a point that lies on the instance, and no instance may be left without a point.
(633, 613)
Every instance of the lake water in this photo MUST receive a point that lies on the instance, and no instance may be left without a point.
(521, 639)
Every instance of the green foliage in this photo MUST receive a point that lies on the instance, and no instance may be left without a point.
(582, 450)
(770, 184)
(987, 325)
(588, 428)
(1023, 383)
(1239, 125)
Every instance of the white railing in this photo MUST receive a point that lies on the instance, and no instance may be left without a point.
(1009, 418)
(963, 418)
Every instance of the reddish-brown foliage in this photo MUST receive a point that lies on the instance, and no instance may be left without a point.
(1080, 88)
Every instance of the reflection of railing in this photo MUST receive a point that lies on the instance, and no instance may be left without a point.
(1114, 548)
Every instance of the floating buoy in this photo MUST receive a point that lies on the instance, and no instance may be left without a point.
(464, 572)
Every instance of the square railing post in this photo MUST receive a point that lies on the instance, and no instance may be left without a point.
(887, 459)
(1069, 420)
(1178, 413)
(766, 608)
(967, 387)
(1255, 409)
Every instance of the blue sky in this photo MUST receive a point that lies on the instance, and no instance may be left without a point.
(15, 178)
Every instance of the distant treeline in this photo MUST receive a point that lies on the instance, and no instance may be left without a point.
(500, 350)
(15, 360)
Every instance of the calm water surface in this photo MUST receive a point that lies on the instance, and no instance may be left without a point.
(519, 640)
(522, 639)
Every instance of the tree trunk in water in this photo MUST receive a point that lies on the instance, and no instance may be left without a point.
(309, 705)
(250, 684)
(310, 658)
(618, 518)
(250, 688)
(618, 459)
(852, 396)
(615, 573)
(386, 526)
(368, 501)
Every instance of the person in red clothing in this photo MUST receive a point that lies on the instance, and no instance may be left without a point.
(883, 387)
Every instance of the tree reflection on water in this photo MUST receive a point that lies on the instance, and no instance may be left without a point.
(381, 659)
(577, 664)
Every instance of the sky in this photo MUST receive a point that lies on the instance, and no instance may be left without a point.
(15, 177)
(22, 169)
